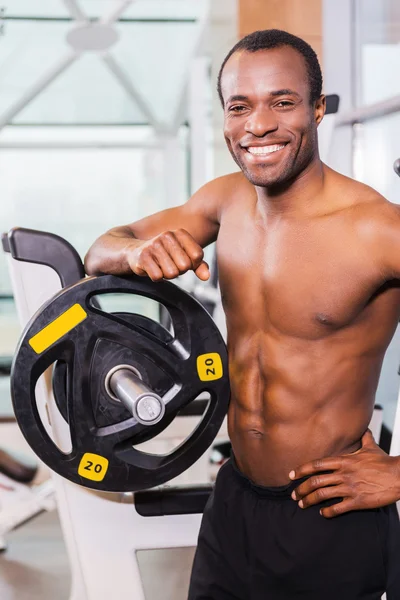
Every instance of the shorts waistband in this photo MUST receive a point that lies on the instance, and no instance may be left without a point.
(279, 492)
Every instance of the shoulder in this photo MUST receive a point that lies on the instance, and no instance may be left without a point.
(221, 192)
(374, 215)
(367, 208)
(231, 184)
(375, 222)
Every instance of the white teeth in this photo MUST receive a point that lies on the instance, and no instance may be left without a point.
(264, 149)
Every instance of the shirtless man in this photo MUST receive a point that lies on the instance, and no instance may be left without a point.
(307, 263)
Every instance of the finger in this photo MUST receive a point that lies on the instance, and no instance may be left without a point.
(203, 271)
(191, 247)
(315, 466)
(164, 261)
(182, 259)
(338, 509)
(144, 266)
(326, 493)
(176, 252)
(315, 482)
(150, 268)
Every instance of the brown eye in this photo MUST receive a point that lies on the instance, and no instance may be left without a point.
(285, 103)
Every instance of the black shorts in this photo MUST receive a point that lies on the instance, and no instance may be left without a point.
(255, 543)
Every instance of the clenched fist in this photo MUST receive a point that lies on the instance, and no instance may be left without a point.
(168, 255)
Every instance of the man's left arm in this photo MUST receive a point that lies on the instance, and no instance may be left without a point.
(368, 478)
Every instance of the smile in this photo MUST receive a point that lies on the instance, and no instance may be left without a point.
(263, 150)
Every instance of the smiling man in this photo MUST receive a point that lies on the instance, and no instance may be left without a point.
(308, 263)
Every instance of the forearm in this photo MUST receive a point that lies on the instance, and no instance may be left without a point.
(109, 253)
(113, 252)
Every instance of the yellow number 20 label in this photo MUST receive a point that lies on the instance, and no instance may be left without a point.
(209, 366)
(93, 466)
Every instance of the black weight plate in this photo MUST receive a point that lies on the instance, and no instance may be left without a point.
(69, 328)
(109, 412)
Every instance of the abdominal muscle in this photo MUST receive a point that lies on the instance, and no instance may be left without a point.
(293, 401)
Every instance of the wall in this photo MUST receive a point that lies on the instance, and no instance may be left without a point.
(300, 17)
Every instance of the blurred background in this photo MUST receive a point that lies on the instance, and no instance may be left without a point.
(109, 112)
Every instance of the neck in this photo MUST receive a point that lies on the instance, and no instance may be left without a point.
(300, 196)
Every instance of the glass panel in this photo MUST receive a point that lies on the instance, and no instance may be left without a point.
(380, 63)
(139, 52)
(28, 49)
(97, 8)
(377, 148)
(80, 194)
(36, 8)
(36, 136)
(377, 26)
(87, 91)
(167, 9)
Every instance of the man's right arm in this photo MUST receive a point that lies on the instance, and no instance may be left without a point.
(165, 244)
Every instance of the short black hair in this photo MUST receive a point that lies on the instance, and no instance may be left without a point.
(276, 38)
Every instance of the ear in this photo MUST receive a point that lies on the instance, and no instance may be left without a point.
(319, 109)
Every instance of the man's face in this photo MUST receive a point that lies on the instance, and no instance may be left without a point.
(270, 126)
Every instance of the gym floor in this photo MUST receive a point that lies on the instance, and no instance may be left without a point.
(35, 566)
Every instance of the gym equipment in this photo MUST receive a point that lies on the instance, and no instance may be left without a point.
(18, 469)
(104, 532)
(125, 383)
(19, 500)
(20, 503)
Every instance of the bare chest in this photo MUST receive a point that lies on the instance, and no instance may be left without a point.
(301, 281)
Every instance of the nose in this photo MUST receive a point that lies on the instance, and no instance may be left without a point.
(261, 122)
